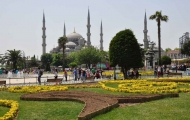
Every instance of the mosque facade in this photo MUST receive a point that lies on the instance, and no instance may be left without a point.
(75, 41)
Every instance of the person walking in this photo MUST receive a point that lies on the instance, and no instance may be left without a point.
(155, 71)
(56, 74)
(93, 71)
(159, 71)
(65, 73)
(39, 76)
(75, 74)
(83, 75)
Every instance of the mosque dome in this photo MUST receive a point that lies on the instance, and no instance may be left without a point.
(74, 37)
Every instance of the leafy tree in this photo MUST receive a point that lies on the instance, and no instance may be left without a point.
(2, 60)
(124, 51)
(88, 56)
(72, 57)
(72, 64)
(186, 48)
(104, 56)
(168, 49)
(57, 59)
(46, 60)
(62, 41)
(166, 60)
(33, 62)
(177, 49)
(14, 56)
(159, 17)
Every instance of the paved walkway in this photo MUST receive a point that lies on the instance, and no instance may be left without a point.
(33, 80)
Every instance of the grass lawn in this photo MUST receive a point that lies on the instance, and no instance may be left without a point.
(165, 109)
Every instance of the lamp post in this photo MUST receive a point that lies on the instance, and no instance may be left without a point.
(48, 66)
(23, 57)
(175, 61)
(114, 74)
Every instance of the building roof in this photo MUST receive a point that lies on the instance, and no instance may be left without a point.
(173, 52)
(74, 35)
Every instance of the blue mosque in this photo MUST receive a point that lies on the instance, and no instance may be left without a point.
(75, 41)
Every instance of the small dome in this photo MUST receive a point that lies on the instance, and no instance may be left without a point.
(67, 48)
(70, 44)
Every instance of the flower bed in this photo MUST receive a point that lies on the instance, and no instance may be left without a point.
(144, 86)
(34, 89)
(11, 114)
(84, 86)
(184, 79)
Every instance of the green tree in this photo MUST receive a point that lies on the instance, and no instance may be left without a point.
(62, 41)
(159, 17)
(104, 56)
(57, 59)
(124, 51)
(33, 62)
(176, 48)
(88, 56)
(14, 56)
(186, 48)
(72, 64)
(72, 57)
(46, 60)
(168, 49)
(166, 60)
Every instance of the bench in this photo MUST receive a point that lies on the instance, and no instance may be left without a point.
(90, 78)
(3, 83)
(134, 76)
(106, 76)
(174, 74)
(59, 80)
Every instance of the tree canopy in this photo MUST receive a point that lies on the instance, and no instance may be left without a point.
(46, 59)
(159, 17)
(124, 51)
(88, 56)
(166, 60)
(14, 56)
(57, 59)
(33, 62)
(186, 48)
(176, 48)
(168, 49)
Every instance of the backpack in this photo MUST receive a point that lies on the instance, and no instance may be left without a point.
(41, 72)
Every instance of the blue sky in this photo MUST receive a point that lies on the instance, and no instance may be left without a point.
(21, 21)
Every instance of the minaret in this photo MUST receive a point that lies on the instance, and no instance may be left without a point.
(88, 29)
(64, 31)
(145, 32)
(101, 37)
(43, 36)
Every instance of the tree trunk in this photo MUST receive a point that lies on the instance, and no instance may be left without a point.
(88, 65)
(14, 65)
(63, 66)
(159, 43)
(125, 70)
